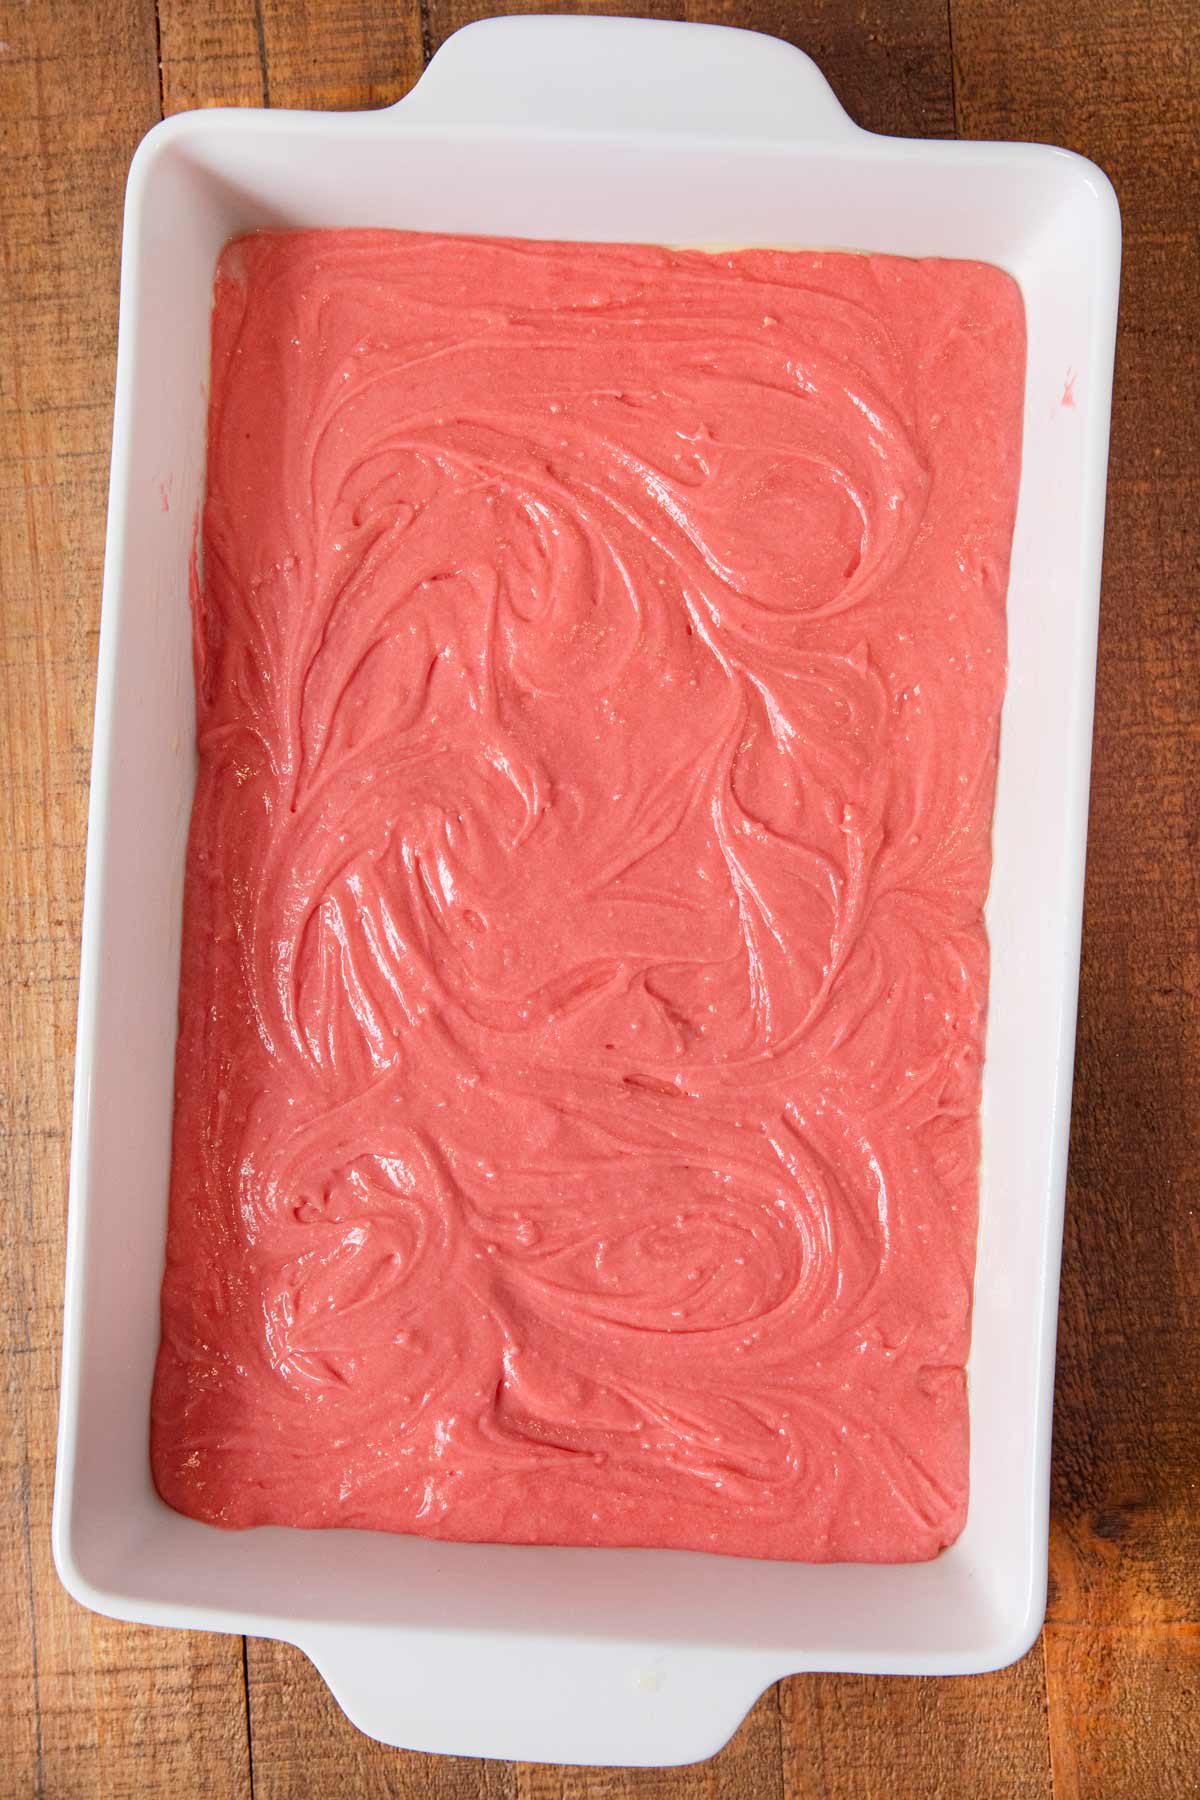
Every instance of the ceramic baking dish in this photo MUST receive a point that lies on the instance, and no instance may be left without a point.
(591, 129)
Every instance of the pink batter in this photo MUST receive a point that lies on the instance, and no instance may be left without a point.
(599, 668)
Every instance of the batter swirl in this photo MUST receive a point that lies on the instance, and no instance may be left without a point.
(599, 663)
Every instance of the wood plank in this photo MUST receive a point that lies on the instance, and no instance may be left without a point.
(339, 55)
(170, 1716)
(87, 1707)
(1117, 82)
(888, 63)
(858, 1737)
(211, 55)
(1125, 1710)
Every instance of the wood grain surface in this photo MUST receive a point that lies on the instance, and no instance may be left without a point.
(1107, 1706)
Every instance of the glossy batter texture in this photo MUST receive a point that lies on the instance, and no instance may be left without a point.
(599, 666)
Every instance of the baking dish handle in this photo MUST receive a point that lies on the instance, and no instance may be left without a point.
(574, 73)
(534, 1699)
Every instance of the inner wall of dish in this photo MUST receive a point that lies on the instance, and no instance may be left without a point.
(203, 186)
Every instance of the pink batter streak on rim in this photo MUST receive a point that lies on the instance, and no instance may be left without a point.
(599, 661)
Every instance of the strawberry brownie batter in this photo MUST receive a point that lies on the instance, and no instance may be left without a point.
(599, 659)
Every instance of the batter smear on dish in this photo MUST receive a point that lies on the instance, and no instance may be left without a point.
(599, 662)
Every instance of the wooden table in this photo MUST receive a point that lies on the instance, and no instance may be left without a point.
(1107, 1706)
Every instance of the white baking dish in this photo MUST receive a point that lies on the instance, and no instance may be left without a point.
(593, 129)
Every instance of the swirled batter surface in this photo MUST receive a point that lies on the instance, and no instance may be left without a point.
(599, 667)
